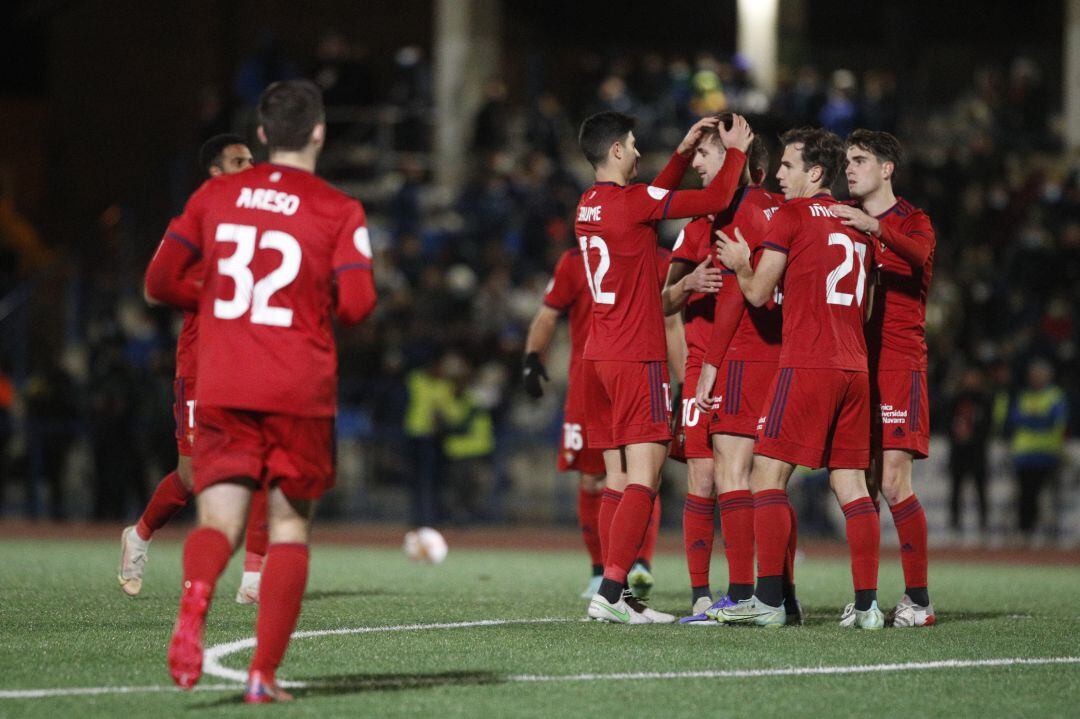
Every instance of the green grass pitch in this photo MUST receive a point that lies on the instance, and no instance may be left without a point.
(65, 624)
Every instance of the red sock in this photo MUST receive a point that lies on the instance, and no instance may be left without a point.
(628, 529)
(910, 520)
(772, 531)
(737, 526)
(609, 503)
(792, 547)
(588, 512)
(864, 542)
(258, 532)
(698, 530)
(206, 552)
(280, 594)
(648, 545)
(169, 498)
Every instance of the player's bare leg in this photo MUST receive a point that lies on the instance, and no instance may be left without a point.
(283, 583)
(699, 518)
(863, 531)
(256, 540)
(772, 535)
(222, 514)
(914, 608)
(170, 496)
(590, 497)
(636, 469)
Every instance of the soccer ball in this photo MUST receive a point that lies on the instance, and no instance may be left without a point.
(425, 545)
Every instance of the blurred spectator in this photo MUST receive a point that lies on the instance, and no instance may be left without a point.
(491, 131)
(1037, 418)
(970, 428)
(266, 64)
(468, 445)
(840, 113)
(50, 412)
(429, 395)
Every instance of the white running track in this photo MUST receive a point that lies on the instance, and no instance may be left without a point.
(212, 666)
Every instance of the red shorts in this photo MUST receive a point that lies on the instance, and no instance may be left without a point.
(293, 453)
(184, 414)
(691, 439)
(626, 403)
(575, 455)
(817, 418)
(743, 388)
(900, 410)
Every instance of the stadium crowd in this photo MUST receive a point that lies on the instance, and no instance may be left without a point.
(432, 378)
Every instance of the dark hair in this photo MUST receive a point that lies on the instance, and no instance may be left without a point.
(820, 147)
(882, 145)
(210, 152)
(600, 131)
(757, 156)
(288, 111)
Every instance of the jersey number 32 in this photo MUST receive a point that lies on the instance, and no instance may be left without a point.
(248, 293)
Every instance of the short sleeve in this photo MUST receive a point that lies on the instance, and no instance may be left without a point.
(562, 289)
(781, 230)
(647, 203)
(692, 242)
(352, 250)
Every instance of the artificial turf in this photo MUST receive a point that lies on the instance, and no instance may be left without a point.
(64, 624)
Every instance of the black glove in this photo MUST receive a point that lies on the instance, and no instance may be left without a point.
(532, 371)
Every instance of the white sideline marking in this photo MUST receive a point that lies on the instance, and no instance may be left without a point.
(212, 665)
(213, 655)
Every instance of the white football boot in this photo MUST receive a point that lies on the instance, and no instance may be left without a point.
(133, 551)
(872, 618)
(638, 605)
(618, 613)
(248, 593)
(594, 586)
(907, 613)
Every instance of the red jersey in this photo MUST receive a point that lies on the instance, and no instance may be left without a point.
(824, 285)
(693, 247)
(186, 357)
(568, 293)
(616, 230)
(274, 239)
(741, 331)
(896, 333)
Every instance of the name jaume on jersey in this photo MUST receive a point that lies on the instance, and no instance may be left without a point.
(261, 198)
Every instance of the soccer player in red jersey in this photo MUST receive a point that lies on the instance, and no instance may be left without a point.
(706, 314)
(283, 252)
(220, 155)
(568, 293)
(896, 340)
(625, 371)
(818, 407)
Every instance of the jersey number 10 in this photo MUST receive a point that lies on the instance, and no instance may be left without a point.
(250, 294)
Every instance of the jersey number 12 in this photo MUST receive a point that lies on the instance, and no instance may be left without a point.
(597, 243)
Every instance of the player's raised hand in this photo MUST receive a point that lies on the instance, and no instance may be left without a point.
(739, 135)
(855, 218)
(734, 253)
(531, 372)
(703, 392)
(706, 277)
(696, 134)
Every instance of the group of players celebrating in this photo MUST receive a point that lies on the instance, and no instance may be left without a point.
(774, 291)
(804, 346)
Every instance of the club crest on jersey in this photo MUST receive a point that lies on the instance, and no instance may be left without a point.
(657, 193)
(269, 200)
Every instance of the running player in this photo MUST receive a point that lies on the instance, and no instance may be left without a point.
(819, 404)
(625, 370)
(569, 294)
(896, 340)
(283, 250)
(220, 155)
